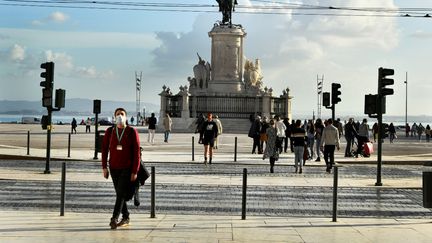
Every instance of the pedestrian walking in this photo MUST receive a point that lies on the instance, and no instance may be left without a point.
(428, 133)
(209, 133)
(310, 140)
(132, 120)
(363, 136)
(199, 122)
(280, 127)
(407, 130)
(152, 121)
(319, 127)
(329, 141)
(74, 126)
(220, 129)
(122, 146)
(254, 133)
(414, 130)
(167, 122)
(350, 134)
(287, 133)
(420, 130)
(299, 141)
(88, 125)
(271, 151)
(392, 132)
(263, 132)
(375, 131)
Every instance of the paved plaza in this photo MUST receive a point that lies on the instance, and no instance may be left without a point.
(199, 203)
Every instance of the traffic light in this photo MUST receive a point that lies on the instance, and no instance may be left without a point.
(383, 81)
(335, 93)
(96, 106)
(60, 98)
(45, 122)
(371, 102)
(48, 75)
(326, 99)
(384, 130)
(47, 84)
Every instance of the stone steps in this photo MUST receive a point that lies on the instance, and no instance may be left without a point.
(235, 125)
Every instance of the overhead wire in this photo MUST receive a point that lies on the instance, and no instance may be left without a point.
(270, 8)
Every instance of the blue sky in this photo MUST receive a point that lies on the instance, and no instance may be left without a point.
(98, 51)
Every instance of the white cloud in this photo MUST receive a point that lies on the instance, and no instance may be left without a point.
(55, 17)
(58, 17)
(17, 53)
(64, 63)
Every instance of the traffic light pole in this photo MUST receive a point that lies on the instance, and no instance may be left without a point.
(333, 111)
(380, 136)
(96, 137)
(48, 148)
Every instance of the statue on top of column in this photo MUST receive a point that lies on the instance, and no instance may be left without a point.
(226, 7)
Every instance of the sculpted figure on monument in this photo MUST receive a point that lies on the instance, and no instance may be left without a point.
(226, 7)
(201, 73)
(252, 74)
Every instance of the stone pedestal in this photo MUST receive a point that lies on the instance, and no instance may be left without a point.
(227, 59)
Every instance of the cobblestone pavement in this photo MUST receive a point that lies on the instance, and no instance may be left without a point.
(221, 199)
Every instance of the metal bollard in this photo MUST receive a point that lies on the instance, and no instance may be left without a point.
(193, 148)
(63, 184)
(28, 142)
(243, 217)
(335, 186)
(69, 145)
(235, 149)
(152, 200)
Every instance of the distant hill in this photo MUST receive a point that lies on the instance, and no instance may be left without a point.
(73, 107)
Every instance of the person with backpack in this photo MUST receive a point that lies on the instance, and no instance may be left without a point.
(121, 159)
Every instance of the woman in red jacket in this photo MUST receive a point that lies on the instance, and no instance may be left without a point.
(122, 144)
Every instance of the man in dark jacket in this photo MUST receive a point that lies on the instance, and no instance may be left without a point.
(350, 134)
(151, 128)
(254, 132)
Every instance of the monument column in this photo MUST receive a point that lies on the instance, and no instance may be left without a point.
(266, 104)
(288, 112)
(185, 102)
(163, 102)
(226, 59)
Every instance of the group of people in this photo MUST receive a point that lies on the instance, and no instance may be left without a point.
(270, 138)
(418, 131)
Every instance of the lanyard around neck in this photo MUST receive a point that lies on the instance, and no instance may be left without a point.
(119, 138)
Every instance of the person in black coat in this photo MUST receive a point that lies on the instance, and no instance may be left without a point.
(254, 132)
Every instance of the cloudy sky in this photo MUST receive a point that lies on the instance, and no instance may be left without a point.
(97, 51)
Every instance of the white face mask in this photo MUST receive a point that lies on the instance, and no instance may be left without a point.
(120, 120)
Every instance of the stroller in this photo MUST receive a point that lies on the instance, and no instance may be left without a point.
(366, 147)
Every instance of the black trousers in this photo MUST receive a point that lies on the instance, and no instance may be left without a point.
(256, 144)
(285, 144)
(329, 154)
(122, 186)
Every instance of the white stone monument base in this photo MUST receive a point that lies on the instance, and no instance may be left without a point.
(225, 86)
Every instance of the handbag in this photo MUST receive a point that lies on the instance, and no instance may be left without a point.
(143, 173)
